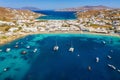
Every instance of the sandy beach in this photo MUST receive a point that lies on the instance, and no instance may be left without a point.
(11, 38)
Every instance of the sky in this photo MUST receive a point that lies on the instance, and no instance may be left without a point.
(58, 4)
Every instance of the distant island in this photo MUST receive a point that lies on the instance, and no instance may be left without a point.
(84, 8)
(30, 8)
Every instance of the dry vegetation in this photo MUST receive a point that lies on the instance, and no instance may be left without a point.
(7, 14)
(115, 13)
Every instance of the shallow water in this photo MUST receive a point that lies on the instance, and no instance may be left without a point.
(47, 64)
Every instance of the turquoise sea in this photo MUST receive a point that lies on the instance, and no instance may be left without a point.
(47, 64)
(57, 15)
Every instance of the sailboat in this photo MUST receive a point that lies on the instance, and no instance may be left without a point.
(71, 49)
(56, 47)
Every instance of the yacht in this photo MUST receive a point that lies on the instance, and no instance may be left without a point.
(97, 59)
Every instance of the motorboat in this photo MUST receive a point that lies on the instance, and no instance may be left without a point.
(71, 49)
(8, 49)
(97, 59)
(28, 47)
(56, 48)
(23, 52)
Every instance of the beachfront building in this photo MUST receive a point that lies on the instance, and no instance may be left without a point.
(29, 29)
(13, 29)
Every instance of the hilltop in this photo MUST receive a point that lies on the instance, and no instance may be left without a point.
(83, 8)
(30, 8)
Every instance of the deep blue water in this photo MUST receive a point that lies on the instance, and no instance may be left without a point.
(47, 64)
(57, 15)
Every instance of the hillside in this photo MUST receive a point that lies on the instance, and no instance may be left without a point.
(100, 18)
(113, 13)
(11, 14)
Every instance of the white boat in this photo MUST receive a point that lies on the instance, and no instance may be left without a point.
(0, 50)
(5, 69)
(28, 47)
(109, 56)
(16, 46)
(35, 50)
(71, 49)
(89, 68)
(111, 66)
(97, 59)
(103, 42)
(8, 49)
(56, 48)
